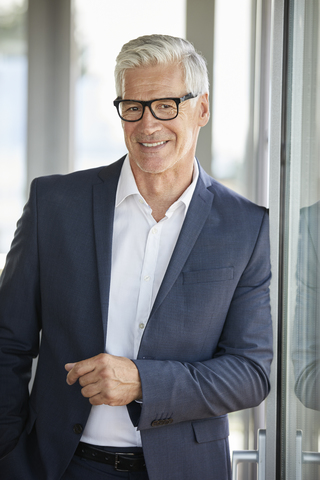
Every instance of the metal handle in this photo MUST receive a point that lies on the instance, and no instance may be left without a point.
(257, 456)
(304, 457)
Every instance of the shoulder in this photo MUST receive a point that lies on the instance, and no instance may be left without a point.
(230, 205)
(76, 183)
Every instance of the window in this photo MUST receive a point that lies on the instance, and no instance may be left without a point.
(13, 92)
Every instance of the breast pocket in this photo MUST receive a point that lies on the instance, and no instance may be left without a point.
(208, 276)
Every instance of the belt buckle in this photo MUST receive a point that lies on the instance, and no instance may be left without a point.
(117, 461)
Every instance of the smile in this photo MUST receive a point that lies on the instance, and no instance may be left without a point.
(153, 144)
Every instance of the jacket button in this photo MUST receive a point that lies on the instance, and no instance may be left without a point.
(77, 428)
(159, 423)
(155, 423)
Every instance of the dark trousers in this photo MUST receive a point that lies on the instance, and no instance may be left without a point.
(82, 469)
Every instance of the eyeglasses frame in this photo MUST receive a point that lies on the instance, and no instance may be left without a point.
(148, 103)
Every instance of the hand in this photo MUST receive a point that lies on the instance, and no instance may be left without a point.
(106, 379)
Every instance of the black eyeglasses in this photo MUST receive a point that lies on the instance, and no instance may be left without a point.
(161, 108)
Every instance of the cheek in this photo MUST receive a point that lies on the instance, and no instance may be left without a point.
(127, 132)
(186, 138)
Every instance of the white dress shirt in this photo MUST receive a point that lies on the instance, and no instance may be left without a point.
(141, 251)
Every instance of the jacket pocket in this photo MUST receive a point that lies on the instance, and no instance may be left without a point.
(207, 276)
(211, 429)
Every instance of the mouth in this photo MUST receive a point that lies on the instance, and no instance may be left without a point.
(156, 144)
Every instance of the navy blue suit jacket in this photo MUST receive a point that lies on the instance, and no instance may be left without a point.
(206, 350)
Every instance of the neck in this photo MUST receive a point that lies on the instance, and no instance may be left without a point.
(161, 190)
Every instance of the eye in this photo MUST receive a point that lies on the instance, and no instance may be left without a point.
(164, 106)
(131, 107)
(130, 110)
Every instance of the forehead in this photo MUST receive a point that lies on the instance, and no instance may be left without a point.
(146, 83)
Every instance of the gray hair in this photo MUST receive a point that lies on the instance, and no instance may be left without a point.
(152, 50)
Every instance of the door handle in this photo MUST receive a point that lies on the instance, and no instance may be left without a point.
(258, 456)
(304, 457)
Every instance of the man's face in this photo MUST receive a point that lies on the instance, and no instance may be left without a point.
(156, 146)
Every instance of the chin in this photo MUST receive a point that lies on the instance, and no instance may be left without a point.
(157, 165)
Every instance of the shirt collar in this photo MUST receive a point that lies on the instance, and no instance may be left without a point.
(127, 186)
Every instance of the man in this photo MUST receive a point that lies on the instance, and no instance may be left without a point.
(149, 282)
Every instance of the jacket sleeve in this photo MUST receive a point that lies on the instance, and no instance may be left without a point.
(19, 326)
(237, 375)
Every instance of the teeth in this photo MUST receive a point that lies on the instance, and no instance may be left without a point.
(153, 144)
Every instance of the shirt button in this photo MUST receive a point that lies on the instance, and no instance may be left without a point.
(147, 278)
(141, 325)
(154, 230)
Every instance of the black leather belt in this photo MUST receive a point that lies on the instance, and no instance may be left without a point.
(122, 462)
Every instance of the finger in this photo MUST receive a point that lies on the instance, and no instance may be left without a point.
(69, 366)
(91, 390)
(99, 394)
(102, 398)
(98, 400)
(88, 378)
(78, 370)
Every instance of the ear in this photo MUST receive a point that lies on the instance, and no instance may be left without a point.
(204, 111)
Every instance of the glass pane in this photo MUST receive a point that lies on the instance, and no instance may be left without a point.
(13, 90)
(301, 306)
(236, 105)
(231, 92)
(101, 30)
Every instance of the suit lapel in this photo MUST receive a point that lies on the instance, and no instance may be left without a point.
(197, 214)
(103, 214)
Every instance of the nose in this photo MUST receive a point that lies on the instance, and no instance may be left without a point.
(148, 123)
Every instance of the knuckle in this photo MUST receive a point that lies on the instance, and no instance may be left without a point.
(102, 360)
(76, 366)
(104, 374)
(76, 369)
